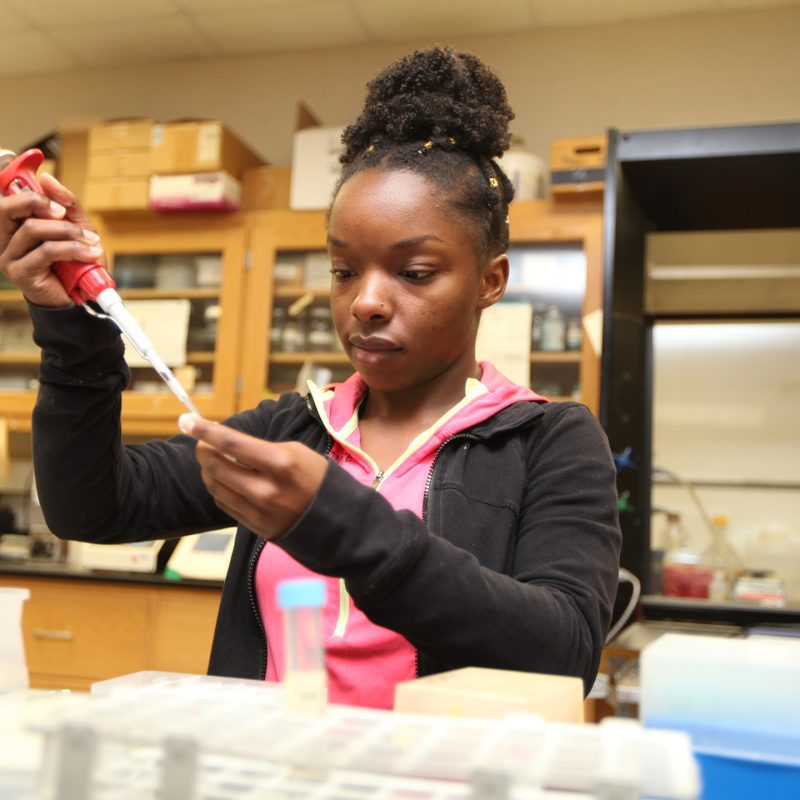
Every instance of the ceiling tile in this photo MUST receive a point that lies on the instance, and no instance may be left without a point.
(28, 53)
(412, 19)
(587, 12)
(46, 14)
(163, 39)
(282, 27)
(13, 21)
(203, 6)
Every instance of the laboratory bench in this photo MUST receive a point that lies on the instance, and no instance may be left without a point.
(82, 626)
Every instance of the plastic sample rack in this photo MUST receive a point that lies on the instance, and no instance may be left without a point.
(176, 737)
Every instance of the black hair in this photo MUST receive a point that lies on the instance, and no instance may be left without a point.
(443, 115)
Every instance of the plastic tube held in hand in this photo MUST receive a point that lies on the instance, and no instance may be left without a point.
(305, 681)
(88, 282)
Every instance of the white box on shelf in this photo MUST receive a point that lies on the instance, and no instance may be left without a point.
(315, 167)
(201, 191)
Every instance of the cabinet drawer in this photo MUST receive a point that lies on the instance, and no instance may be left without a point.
(85, 630)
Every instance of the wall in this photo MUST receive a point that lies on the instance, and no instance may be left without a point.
(674, 72)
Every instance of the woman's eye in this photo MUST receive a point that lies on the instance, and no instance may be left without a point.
(340, 274)
(416, 275)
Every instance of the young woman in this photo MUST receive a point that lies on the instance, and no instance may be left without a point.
(457, 519)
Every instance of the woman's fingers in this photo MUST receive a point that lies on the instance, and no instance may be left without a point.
(38, 244)
(266, 486)
(61, 196)
(38, 230)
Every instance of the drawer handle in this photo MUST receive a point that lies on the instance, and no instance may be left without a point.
(62, 636)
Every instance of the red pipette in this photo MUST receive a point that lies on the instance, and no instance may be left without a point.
(84, 282)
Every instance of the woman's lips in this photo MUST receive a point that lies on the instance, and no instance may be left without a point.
(372, 349)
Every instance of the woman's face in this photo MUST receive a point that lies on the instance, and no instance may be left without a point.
(408, 282)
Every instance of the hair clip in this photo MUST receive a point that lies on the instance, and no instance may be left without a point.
(453, 141)
(428, 145)
(493, 182)
(371, 149)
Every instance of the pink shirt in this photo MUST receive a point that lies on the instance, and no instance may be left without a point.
(364, 661)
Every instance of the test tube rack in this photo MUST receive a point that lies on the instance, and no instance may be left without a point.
(176, 737)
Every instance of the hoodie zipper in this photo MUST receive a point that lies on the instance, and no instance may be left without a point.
(251, 569)
(344, 596)
(425, 497)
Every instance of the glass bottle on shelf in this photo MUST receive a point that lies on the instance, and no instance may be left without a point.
(293, 336)
(320, 334)
(573, 334)
(723, 558)
(553, 330)
(536, 328)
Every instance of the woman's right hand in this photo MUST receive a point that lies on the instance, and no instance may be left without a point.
(38, 230)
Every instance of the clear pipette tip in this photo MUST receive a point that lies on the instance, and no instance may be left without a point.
(177, 389)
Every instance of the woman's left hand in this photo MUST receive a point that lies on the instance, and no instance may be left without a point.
(265, 486)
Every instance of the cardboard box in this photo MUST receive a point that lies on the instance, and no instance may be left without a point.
(479, 692)
(265, 188)
(204, 191)
(119, 163)
(122, 133)
(116, 194)
(72, 160)
(191, 147)
(578, 165)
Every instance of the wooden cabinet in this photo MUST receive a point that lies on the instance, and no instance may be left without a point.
(232, 362)
(580, 225)
(80, 631)
(275, 233)
(199, 260)
(278, 235)
(178, 263)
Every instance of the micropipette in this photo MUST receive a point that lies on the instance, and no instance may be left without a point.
(84, 282)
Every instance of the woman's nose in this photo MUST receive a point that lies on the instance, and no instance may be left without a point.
(372, 301)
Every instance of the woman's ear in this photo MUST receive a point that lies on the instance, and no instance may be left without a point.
(493, 281)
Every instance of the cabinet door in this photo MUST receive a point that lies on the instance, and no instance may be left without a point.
(556, 268)
(290, 332)
(183, 627)
(182, 276)
(77, 632)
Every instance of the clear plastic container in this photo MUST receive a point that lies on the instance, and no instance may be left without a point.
(13, 667)
(685, 572)
(305, 679)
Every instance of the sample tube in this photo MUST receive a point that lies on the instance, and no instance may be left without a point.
(305, 681)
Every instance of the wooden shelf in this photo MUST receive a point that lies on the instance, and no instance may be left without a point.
(171, 294)
(200, 357)
(565, 357)
(300, 357)
(294, 292)
(23, 359)
(11, 297)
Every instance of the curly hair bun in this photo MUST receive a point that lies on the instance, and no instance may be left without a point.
(437, 95)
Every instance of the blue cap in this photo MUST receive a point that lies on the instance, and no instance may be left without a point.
(301, 593)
